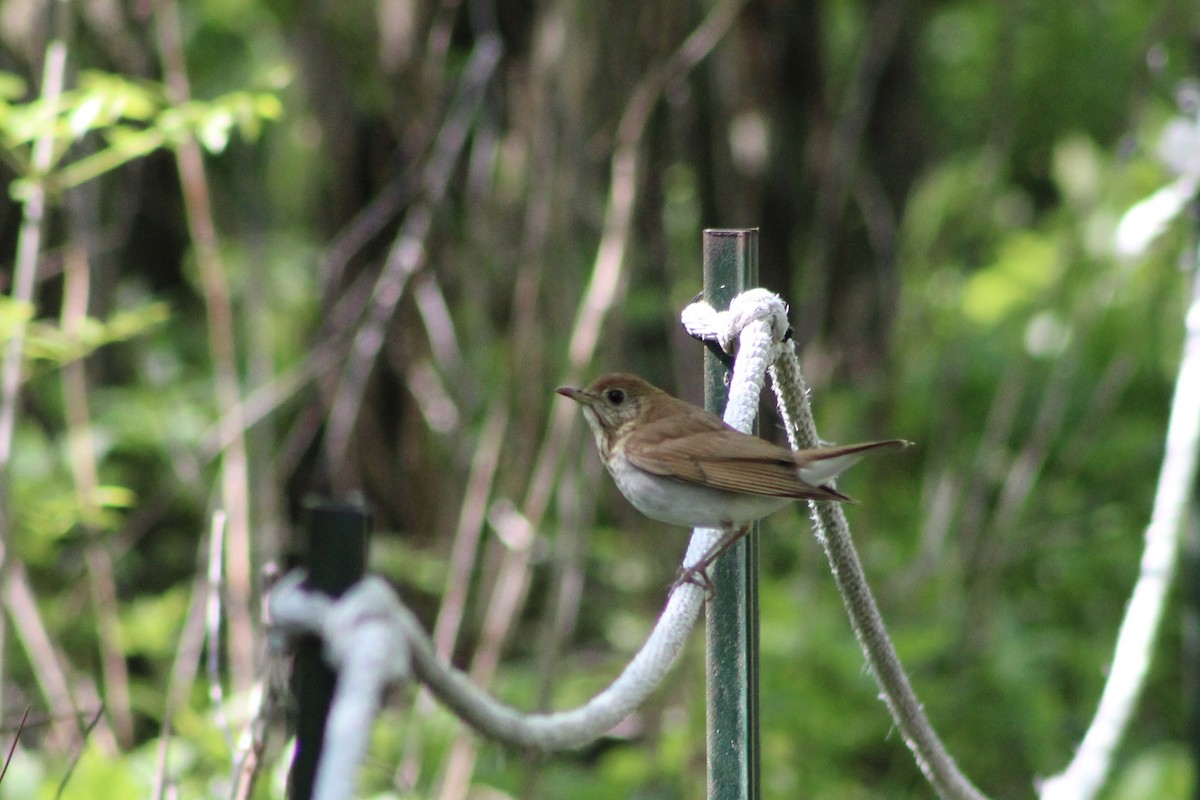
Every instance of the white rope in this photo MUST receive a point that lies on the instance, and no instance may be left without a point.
(1085, 775)
(757, 322)
(372, 639)
(1179, 150)
(370, 651)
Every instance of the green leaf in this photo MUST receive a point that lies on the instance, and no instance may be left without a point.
(1162, 773)
(151, 623)
(213, 132)
(267, 106)
(13, 314)
(1027, 265)
(50, 342)
(133, 142)
(98, 774)
(122, 97)
(133, 322)
(110, 496)
(12, 86)
(83, 117)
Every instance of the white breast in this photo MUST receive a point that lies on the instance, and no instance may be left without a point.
(686, 504)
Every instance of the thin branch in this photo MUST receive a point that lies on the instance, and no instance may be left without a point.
(464, 554)
(87, 732)
(45, 659)
(567, 575)
(837, 178)
(212, 618)
(406, 257)
(102, 584)
(466, 537)
(29, 248)
(265, 399)
(183, 675)
(248, 760)
(13, 747)
(356, 234)
(18, 595)
(235, 481)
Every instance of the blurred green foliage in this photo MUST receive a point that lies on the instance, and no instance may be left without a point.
(131, 118)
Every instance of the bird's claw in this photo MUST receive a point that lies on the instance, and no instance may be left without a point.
(697, 576)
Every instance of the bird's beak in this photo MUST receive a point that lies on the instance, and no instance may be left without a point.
(577, 395)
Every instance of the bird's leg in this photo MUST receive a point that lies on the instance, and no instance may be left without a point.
(697, 574)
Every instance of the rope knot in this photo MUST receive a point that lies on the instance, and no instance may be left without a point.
(704, 322)
(368, 610)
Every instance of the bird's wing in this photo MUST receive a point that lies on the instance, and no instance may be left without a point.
(760, 467)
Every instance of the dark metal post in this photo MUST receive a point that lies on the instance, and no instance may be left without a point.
(335, 557)
(730, 267)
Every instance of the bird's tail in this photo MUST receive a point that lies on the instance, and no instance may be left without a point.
(822, 464)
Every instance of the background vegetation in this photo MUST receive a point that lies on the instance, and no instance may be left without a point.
(336, 248)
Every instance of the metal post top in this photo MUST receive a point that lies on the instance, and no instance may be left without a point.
(729, 231)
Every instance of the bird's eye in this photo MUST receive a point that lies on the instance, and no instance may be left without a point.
(615, 396)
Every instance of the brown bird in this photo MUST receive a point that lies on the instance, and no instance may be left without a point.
(679, 464)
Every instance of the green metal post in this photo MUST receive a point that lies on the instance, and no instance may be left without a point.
(335, 557)
(731, 267)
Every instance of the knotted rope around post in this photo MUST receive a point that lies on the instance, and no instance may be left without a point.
(754, 328)
(370, 632)
(755, 307)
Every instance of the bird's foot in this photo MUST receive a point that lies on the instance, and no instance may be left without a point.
(696, 575)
